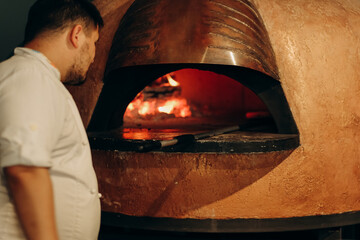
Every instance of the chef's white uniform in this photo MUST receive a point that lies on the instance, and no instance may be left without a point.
(41, 126)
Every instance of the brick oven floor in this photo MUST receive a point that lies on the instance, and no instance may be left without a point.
(341, 233)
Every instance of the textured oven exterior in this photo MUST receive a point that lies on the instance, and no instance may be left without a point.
(316, 44)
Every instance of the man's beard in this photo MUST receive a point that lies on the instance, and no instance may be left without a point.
(75, 76)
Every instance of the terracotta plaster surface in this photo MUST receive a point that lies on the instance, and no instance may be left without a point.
(317, 48)
(174, 184)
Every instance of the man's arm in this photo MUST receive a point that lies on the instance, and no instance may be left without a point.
(31, 189)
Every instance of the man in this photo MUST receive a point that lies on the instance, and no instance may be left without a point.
(48, 187)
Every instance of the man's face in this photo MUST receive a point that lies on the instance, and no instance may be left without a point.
(86, 54)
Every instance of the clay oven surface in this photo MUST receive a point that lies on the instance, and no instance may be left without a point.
(317, 49)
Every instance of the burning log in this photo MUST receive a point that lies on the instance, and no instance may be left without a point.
(161, 92)
(163, 87)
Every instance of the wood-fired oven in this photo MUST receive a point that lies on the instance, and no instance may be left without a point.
(174, 68)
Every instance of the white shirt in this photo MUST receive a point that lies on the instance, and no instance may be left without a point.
(40, 126)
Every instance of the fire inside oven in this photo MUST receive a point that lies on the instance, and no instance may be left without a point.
(193, 98)
(207, 66)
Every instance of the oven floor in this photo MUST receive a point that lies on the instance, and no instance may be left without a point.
(234, 142)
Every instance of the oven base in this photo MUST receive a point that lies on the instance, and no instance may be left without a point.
(118, 220)
(351, 232)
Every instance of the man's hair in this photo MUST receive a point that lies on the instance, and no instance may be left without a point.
(57, 15)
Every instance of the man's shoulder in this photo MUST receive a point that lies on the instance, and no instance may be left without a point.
(21, 70)
(19, 64)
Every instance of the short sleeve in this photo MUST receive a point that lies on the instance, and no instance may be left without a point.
(28, 126)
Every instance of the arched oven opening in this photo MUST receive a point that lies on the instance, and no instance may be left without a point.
(142, 104)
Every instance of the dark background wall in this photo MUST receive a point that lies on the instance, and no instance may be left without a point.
(13, 15)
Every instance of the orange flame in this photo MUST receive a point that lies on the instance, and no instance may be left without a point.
(179, 107)
(171, 81)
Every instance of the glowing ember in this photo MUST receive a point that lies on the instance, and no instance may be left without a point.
(146, 108)
(167, 108)
(179, 107)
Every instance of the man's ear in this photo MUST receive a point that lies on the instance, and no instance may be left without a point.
(75, 35)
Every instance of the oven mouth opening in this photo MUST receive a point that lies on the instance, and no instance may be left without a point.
(195, 100)
(254, 101)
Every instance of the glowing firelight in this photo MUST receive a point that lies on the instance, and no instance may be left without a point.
(174, 106)
(172, 82)
(145, 107)
(168, 107)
